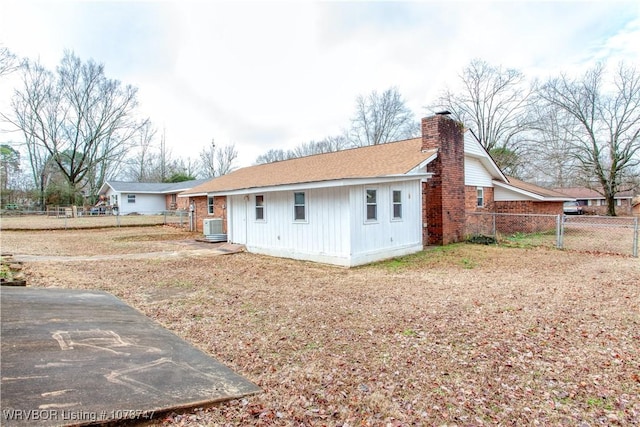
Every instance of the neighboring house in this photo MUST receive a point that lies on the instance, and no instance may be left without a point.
(145, 197)
(361, 205)
(635, 206)
(595, 203)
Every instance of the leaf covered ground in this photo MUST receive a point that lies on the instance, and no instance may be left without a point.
(460, 335)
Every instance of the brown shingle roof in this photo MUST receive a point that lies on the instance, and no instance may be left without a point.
(531, 188)
(588, 193)
(393, 158)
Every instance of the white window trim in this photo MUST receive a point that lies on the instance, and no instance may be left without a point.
(366, 207)
(211, 206)
(129, 198)
(393, 204)
(306, 208)
(481, 190)
(264, 208)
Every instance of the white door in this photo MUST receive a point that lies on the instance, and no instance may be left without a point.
(237, 214)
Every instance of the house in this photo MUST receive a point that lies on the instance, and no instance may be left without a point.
(145, 197)
(595, 203)
(365, 204)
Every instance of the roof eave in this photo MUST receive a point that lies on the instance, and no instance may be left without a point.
(344, 182)
(183, 194)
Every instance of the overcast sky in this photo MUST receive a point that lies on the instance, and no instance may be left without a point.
(267, 75)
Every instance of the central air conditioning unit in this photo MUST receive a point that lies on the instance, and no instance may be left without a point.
(212, 230)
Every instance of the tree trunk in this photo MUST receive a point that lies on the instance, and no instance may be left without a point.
(611, 203)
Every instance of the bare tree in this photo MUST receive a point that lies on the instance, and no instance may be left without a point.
(550, 154)
(9, 171)
(165, 166)
(141, 164)
(217, 161)
(38, 83)
(81, 118)
(187, 167)
(274, 155)
(326, 145)
(493, 104)
(381, 118)
(8, 61)
(602, 123)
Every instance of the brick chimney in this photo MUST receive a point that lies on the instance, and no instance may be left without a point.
(444, 194)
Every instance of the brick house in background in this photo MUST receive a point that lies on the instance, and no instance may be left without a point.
(365, 204)
(594, 203)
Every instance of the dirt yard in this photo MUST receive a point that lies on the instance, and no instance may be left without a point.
(460, 335)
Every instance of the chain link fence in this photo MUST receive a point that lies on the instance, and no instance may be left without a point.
(615, 235)
(618, 235)
(65, 218)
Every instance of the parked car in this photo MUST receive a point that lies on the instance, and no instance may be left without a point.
(573, 208)
(11, 207)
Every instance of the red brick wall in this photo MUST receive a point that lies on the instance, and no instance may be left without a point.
(444, 193)
(182, 203)
(529, 207)
(471, 199)
(202, 210)
(507, 224)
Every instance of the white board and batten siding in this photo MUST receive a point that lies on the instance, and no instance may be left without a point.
(320, 237)
(335, 230)
(386, 237)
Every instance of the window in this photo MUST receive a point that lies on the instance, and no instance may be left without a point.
(618, 202)
(210, 205)
(480, 196)
(131, 198)
(397, 204)
(260, 207)
(299, 207)
(372, 205)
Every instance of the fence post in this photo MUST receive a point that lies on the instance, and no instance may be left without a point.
(635, 237)
(559, 231)
(495, 233)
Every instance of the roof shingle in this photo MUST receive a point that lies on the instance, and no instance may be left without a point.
(394, 158)
(531, 188)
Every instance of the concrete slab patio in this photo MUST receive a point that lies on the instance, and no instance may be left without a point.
(72, 357)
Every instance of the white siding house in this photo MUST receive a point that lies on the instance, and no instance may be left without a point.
(330, 224)
(355, 206)
(345, 208)
(145, 198)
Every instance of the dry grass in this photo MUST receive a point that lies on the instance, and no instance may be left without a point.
(460, 335)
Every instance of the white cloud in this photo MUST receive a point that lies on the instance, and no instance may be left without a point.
(274, 74)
